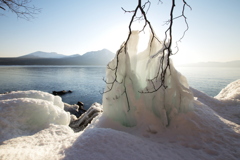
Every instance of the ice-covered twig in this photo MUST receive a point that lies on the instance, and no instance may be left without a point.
(167, 48)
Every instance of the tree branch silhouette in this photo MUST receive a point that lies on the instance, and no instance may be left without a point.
(20, 7)
(167, 51)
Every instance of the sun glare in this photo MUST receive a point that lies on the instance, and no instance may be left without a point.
(143, 41)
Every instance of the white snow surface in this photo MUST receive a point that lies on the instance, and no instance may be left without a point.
(232, 91)
(27, 112)
(55, 100)
(198, 134)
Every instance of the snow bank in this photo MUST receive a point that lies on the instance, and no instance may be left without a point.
(231, 91)
(49, 143)
(24, 116)
(198, 134)
(108, 144)
(55, 100)
(226, 103)
(123, 100)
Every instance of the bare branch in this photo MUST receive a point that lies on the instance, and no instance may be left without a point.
(20, 7)
(167, 52)
(127, 11)
(159, 1)
(2, 8)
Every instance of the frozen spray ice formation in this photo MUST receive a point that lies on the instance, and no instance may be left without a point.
(124, 101)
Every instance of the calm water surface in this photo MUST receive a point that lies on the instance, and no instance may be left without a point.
(86, 82)
(210, 80)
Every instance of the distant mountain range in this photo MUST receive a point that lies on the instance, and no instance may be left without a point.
(101, 57)
(213, 64)
(40, 54)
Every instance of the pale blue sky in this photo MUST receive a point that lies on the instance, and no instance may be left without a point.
(76, 27)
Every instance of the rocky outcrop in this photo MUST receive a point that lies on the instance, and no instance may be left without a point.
(86, 118)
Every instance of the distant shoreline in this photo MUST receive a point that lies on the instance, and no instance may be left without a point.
(230, 64)
(53, 65)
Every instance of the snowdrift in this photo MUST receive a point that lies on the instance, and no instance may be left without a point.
(198, 134)
(231, 91)
(27, 112)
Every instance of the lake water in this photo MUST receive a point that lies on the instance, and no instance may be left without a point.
(86, 82)
(210, 80)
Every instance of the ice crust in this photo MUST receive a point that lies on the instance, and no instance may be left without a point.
(27, 112)
(133, 72)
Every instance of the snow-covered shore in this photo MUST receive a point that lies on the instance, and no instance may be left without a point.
(35, 126)
(144, 117)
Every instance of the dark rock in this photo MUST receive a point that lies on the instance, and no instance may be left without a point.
(80, 103)
(81, 107)
(61, 92)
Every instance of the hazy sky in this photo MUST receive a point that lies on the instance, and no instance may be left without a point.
(76, 27)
